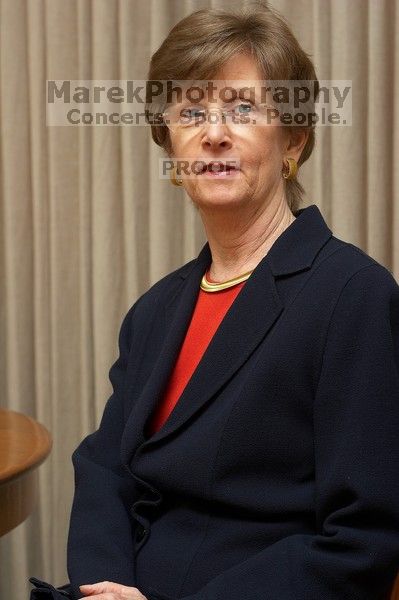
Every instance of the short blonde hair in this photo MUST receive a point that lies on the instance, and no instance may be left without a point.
(199, 45)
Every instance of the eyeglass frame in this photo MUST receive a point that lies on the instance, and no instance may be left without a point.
(225, 114)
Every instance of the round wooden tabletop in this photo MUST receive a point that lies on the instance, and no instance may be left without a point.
(24, 445)
(395, 590)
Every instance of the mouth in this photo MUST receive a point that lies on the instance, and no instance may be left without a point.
(219, 169)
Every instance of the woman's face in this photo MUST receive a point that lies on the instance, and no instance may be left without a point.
(259, 148)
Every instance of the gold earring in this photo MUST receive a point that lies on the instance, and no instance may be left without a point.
(292, 166)
(174, 179)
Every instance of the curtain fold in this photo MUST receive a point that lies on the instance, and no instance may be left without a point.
(87, 225)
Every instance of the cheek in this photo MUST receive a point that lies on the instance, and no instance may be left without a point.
(267, 141)
(181, 143)
(269, 156)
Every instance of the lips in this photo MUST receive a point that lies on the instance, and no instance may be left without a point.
(218, 167)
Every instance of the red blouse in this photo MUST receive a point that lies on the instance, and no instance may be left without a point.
(208, 313)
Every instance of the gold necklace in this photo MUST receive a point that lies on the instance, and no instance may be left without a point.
(209, 286)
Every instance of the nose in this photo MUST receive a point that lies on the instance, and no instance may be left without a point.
(216, 135)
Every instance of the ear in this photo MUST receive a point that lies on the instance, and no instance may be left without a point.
(297, 138)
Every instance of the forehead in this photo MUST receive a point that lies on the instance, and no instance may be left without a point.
(239, 67)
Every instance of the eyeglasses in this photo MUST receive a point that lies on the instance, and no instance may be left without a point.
(242, 113)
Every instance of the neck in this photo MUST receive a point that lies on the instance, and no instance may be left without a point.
(239, 241)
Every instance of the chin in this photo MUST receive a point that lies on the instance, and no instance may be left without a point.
(219, 198)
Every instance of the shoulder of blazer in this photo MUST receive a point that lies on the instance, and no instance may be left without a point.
(348, 259)
(338, 258)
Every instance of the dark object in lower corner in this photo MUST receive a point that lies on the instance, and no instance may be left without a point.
(46, 591)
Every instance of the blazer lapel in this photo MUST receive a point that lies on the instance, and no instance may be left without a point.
(242, 329)
(245, 324)
(176, 319)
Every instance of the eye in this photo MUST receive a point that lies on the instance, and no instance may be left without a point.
(244, 108)
(192, 113)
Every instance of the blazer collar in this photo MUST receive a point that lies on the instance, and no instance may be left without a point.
(245, 325)
(294, 250)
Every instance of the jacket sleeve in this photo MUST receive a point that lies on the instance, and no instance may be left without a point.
(100, 538)
(354, 553)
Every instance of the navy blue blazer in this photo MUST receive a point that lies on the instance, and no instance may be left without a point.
(276, 475)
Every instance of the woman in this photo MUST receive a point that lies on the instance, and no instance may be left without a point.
(250, 447)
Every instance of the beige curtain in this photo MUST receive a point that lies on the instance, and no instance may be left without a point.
(86, 225)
